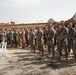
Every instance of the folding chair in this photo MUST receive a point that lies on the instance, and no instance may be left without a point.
(3, 50)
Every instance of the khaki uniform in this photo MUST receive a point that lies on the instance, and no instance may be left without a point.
(20, 38)
(23, 39)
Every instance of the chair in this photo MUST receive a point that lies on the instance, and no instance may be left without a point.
(3, 50)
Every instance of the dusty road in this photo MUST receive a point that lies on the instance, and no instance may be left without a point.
(23, 62)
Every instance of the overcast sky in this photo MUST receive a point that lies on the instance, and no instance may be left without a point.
(29, 11)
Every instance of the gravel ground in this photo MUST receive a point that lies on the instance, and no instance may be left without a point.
(23, 62)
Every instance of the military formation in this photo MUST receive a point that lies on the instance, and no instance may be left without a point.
(60, 39)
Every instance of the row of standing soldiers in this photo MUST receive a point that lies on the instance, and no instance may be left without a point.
(63, 38)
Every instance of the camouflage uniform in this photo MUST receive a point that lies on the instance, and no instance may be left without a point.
(70, 39)
(8, 38)
(50, 41)
(62, 34)
(0, 36)
(31, 40)
(26, 37)
(11, 38)
(74, 43)
(16, 38)
(39, 35)
(45, 36)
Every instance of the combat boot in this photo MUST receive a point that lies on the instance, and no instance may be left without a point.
(60, 57)
(66, 58)
(42, 52)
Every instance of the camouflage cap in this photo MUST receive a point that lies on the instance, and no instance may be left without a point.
(49, 25)
(70, 23)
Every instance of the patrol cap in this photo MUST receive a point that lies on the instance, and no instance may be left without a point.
(30, 29)
(49, 25)
(62, 21)
(37, 27)
(70, 23)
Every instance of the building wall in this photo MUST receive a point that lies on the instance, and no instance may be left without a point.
(23, 25)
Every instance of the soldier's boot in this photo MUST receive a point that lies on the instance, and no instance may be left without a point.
(31, 50)
(42, 52)
(69, 51)
(66, 55)
(66, 58)
(52, 56)
(34, 50)
(60, 57)
(74, 52)
(39, 52)
(49, 54)
(45, 45)
(75, 59)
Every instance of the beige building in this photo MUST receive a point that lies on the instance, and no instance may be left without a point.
(23, 25)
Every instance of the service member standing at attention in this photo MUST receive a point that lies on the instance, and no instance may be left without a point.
(50, 40)
(70, 36)
(74, 43)
(62, 34)
(31, 39)
(26, 37)
(45, 36)
(39, 36)
(12, 38)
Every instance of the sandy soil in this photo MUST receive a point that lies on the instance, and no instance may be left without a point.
(23, 62)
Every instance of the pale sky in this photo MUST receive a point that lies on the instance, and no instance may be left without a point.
(31, 11)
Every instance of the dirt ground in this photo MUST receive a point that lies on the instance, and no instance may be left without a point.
(23, 62)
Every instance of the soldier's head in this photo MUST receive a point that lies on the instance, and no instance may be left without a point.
(70, 25)
(38, 28)
(31, 29)
(49, 26)
(62, 23)
(59, 26)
